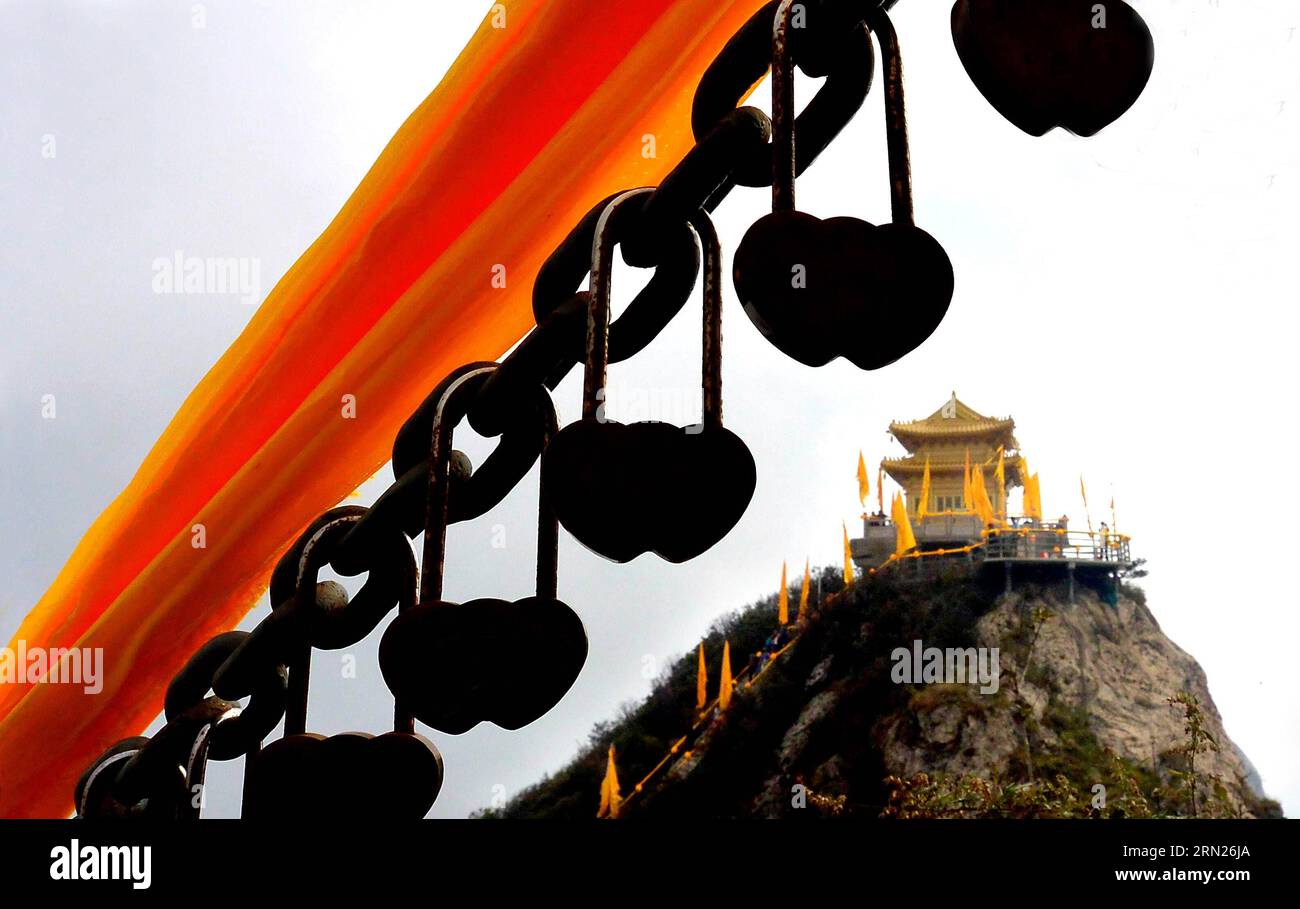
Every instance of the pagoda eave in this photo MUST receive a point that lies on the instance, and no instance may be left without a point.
(896, 467)
(912, 436)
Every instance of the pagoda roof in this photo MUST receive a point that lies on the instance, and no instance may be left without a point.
(913, 466)
(953, 421)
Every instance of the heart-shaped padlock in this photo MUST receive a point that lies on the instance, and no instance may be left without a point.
(454, 665)
(626, 489)
(392, 776)
(1076, 64)
(354, 775)
(841, 287)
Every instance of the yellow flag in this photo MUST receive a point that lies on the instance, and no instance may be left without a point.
(783, 604)
(967, 488)
(864, 486)
(610, 800)
(880, 490)
(1084, 492)
(986, 503)
(1001, 474)
(923, 506)
(1114, 525)
(848, 557)
(1033, 500)
(701, 682)
(1022, 468)
(904, 540)
(980, 495)
(724, 686)
(803, 593)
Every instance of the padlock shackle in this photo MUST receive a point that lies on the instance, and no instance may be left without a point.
(599, 283)
(435, 515)
(783, 139)
(783, 146)
(548, 524)
(435, 524)
(900, 165)
(711, 379)
(295, 714)
(307, 570)
(596, 371)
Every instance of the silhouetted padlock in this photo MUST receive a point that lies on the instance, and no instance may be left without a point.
(455, 665)
(1077, 64)
(841, 287)
(393, 776)
(624, 489)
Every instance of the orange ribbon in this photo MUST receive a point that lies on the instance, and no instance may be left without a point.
(532, 125)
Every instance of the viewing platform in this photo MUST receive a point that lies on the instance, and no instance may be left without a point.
(956, 475)
(1024, 548)
(1020, 540)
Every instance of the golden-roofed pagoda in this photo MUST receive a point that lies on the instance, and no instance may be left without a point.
(949, 439)
(951, 521)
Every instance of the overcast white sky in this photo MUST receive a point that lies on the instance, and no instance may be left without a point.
(1129, 299)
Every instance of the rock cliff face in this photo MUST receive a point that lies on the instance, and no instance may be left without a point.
(1109, 665)
(832, 728)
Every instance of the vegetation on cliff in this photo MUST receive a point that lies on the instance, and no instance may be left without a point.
(826, 732)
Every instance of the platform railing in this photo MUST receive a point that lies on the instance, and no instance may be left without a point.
(1027, 539)
(1046, 542)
